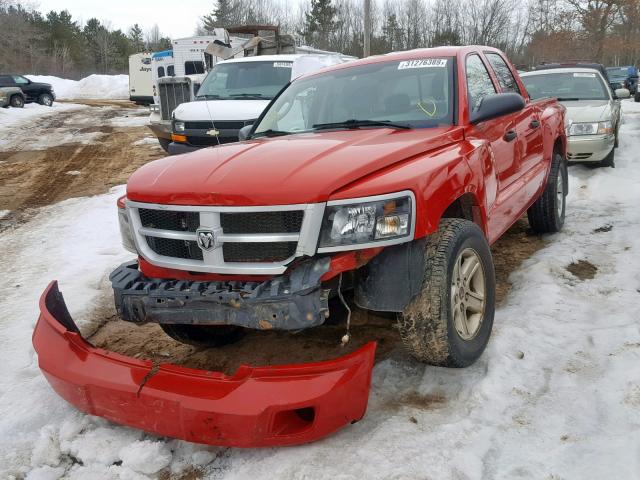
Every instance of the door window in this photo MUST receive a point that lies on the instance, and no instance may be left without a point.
(505, 77)
(160, 72)
(20, 80)
(479, 83)
(171, 71)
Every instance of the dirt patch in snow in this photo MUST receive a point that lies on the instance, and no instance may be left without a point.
(603, 229)
(256, 348)
(582, 269)
(31, 178)
(514, 247)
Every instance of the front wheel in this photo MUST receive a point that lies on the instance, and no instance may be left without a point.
(546, 215)
(164, 143)
(204, 335)
(45, 99)
(449, 322)
(17, 101)
(609, 161)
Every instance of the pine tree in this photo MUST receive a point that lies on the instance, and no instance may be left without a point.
(136, 38)
(319, 23)
(223, 15)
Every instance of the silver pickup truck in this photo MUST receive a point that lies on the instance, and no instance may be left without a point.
(11, 96)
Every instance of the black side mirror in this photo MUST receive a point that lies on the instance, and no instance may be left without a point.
(496, 105)
(245, 133)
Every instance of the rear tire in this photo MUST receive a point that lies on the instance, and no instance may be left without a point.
(164, 143)
(546, 215)
(449, 322)
(204, 335)
(45, 99)
(17, 101)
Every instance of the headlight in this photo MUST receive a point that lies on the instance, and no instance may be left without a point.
(596, 128)
(178, 126)
(367, 222)
(125, 231)
(154, 108)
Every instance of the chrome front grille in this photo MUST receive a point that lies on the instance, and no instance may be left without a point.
(246, 240)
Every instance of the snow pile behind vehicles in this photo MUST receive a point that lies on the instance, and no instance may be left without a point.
(93, 87)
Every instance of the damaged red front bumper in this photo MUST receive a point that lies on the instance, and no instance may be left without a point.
(256, 407)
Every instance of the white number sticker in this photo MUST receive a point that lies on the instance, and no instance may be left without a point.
(424, 63)
(282, 65)
(587, 75)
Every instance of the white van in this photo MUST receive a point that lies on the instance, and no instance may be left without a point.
(140, 78)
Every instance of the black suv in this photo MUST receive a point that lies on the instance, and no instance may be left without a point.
(33, 91)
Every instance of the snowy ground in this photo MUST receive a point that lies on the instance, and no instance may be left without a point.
(555, 396)
(112, 87)
(14, 122)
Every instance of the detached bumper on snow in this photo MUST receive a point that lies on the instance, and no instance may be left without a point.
(255, 407)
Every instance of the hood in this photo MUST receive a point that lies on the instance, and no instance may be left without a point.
(41, 84)
(220, 110)
(588, 110)
(301, 168)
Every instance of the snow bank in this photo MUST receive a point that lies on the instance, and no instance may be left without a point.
(555, 396)
(97, 87)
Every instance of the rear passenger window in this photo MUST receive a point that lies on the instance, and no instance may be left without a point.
(479, 83)
(505, 77)
(160, 72)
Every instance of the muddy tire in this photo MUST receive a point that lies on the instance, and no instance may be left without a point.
(546, 215)
(204, 335)
(45, 99)
(17, 101)
(164, 143)
(449, 322)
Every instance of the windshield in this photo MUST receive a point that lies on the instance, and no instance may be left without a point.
(617, 74)
(566, 86)
(245, 80)
(400, 94)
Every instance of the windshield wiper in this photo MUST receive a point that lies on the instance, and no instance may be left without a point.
(248, 95)
(353, 123)
(271, 133)
(209, 97)
(567, 99)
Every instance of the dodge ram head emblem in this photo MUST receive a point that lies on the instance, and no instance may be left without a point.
(206, 239)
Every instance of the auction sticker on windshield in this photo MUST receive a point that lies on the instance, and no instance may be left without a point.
(282, 65)
(424, 63)
(584, 75)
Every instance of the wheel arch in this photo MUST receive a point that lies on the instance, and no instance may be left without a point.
(466, 207)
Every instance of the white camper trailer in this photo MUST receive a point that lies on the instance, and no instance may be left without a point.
(140, 78)
(188, 53)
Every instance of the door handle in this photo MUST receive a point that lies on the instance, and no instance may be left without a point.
(510, 135)
(534, 123)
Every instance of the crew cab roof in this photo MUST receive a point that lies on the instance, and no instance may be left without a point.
(415, 54)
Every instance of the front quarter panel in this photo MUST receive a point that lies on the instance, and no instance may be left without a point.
(437, 179)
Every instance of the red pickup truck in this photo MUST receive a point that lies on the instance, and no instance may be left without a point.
(387, 177)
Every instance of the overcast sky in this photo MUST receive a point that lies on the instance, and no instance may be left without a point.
(175, 18)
